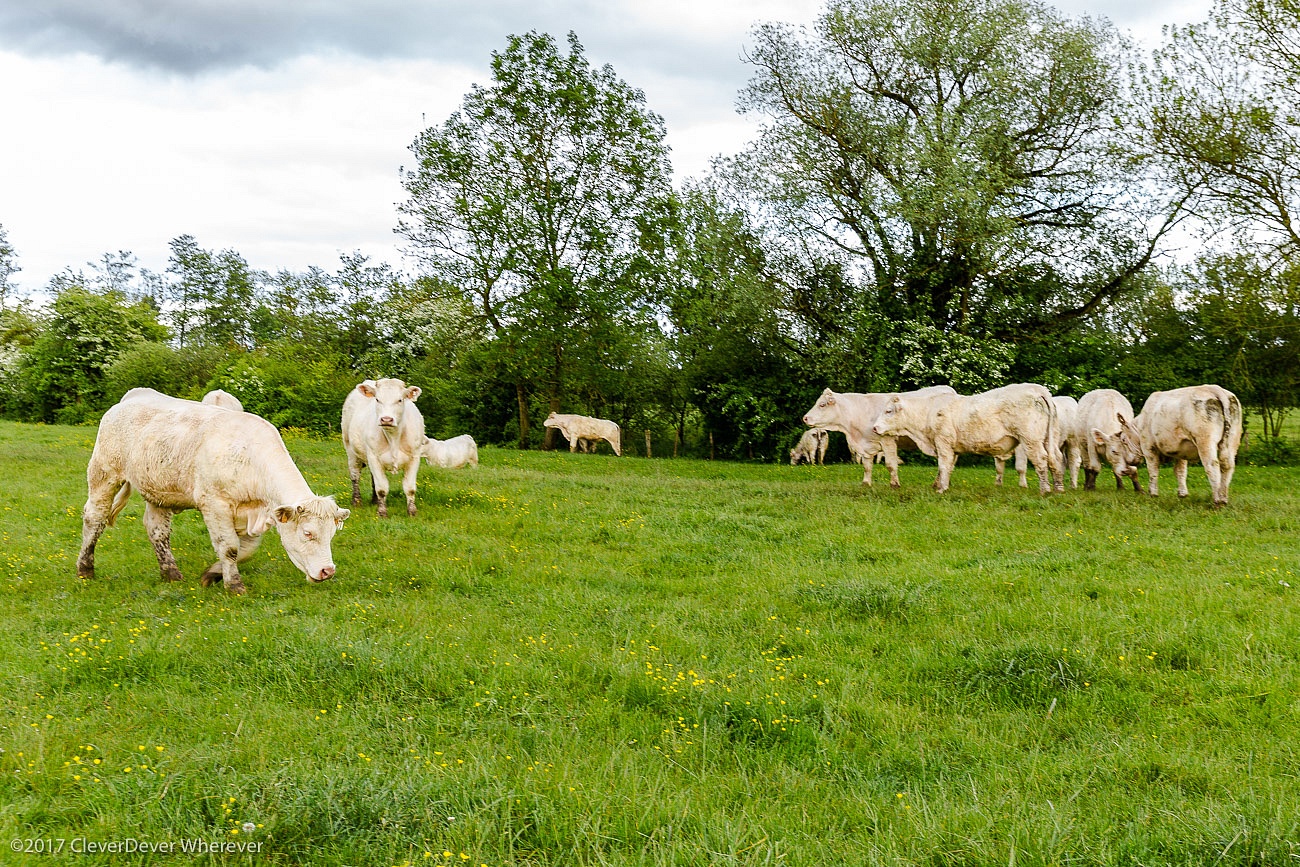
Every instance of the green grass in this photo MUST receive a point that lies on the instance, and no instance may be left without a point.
(581, 660)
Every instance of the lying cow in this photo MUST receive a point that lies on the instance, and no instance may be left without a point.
(811, 447)
(1071, 444)
(853, 413)
(223, 399)
(584, 432)
(451, 454)
(384, 431)
(180, 454)
(992, 423)
(1104, 425)
(1200, 422)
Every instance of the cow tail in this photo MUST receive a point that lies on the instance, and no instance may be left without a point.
(1055, 463)
(119, 502)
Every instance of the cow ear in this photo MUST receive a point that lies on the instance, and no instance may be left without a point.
(285, 514)
(367, 388)
(413, 392)
(260, 521)
(1098, 437)
(340, 516)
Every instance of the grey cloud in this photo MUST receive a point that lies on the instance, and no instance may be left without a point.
(192, 37)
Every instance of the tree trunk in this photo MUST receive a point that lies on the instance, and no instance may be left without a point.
(522, 394)
(548, 441)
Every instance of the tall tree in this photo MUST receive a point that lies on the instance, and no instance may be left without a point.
(962, 152)
(1222, 118)
(536, 200)
(8, 267)
(213, 297)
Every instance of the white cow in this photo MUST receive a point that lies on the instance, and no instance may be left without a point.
(451, 454)
(584, 432)
(1105, 427)
(180, 454)
(811, 447)
(1200, 422)
(1071, 444)
(853, 413)
(992, 423)
(384, 431)
(224, 399)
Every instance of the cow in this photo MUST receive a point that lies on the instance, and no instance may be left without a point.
(1104, 425)
(233, 468)
(224, 399)
(1199, 422)
(384, 431)
(584, 432)
(992, 423)
(451, 454)
(1071, 444)
(811, 447)
(853, 413)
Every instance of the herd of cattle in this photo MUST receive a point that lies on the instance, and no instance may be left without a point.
(234, 468)
(1027, 423)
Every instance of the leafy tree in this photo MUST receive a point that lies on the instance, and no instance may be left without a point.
(8, 268)
(1221, 117)
(961, 152)
(83, 334)
(539, 202)
(213, 296)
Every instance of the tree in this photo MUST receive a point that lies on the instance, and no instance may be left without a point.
(1221, 118)
(539, 202)
(962, 153)
(214, 296)
(8, 268)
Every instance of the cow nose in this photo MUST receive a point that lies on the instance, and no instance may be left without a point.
(326, 574)
(805, 419)
(386, 420)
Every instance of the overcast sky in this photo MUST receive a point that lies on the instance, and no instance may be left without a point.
(276, 128)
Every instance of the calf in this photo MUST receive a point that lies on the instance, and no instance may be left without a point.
(233, 468)
(584, 432)
(1198, 422)
(384, 431)
(811, 448)
(451, 454)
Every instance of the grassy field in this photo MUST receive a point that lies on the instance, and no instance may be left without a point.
(580, 660)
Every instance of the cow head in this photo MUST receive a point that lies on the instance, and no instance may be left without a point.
(890, 422)
(1123, 450)
(306, 529)
(823, 411)
(389, 396)
(551, 421)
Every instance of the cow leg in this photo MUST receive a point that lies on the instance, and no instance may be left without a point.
(95, 516)
(1089, 479)
(889, 450)
(947, 460)
(1038, 455)
(1022, 466)
(379, 483)
(1213, 474)
(1153, 474)
(1133, 477)
(158, 524)
(354, 473)
(867, 465)
(1075, 461)
(408, 484)
(1227, 466)
(227, 543)
(1000, 468)
(1180, 476)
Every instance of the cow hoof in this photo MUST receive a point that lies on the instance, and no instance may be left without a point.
(207, 579)
(356, 502)
(410, 511)
(173, 575)
(236, 588)
(896, 485)
(86, 573)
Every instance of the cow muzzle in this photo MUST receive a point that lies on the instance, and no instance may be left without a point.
(325, 574)
(387, 421)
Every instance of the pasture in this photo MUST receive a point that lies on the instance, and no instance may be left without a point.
(580, 659)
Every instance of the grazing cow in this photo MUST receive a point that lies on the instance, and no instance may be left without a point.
(451, 454)
(811, 447)
(853, 413)
(1071, 444)
(584, 432)
(1200, 422)
(1105, 428)
(180, 454)
(384, 431)
(223, 399)
(992, 423)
